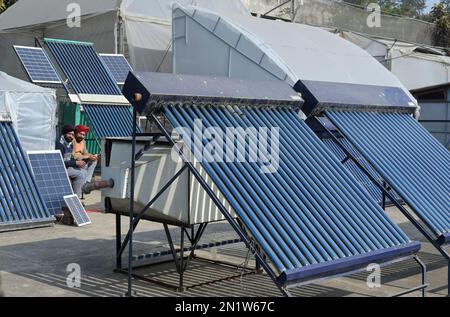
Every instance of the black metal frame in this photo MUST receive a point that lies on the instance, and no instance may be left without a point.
(177, 256)
(386, 190)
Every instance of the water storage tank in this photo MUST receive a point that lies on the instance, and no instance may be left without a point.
(184, 203)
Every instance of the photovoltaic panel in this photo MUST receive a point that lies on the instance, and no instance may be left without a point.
(21, 205)
(83, 67)
(77, 210)
(51, 178)
(37, 65)
(117, 65)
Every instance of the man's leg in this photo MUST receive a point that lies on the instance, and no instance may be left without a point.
(90, 168)
(78, 178)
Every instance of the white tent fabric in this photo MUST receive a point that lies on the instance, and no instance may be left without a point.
(25, 13)
(415, 66)
(145, 27)
(239, 45)
(32, 110)
(418, 70)
(148, 28)
(162, 9)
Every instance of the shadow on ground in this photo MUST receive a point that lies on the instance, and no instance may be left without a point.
(46, 262)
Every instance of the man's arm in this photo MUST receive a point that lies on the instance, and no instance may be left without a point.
(86, 154)
(62, 149)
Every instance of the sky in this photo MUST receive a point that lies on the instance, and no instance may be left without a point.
(430, 4)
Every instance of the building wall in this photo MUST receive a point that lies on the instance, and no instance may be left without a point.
(346, 17)
(434, 110)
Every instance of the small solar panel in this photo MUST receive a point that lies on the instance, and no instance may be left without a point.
(51, 179)
(118, 66)
(37, 65)
(77, 210)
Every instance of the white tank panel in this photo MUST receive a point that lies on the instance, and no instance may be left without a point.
(185, 201)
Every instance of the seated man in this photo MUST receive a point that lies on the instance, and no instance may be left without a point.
(80, 152)
(75, 169)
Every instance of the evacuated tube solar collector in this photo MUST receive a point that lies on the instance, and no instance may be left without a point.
(310, 218)
(379, 123)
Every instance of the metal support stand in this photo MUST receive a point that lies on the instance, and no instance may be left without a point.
(132, 226)
(118, 241)
(386, 193)
(424, 274)
(421, 287)
(180, 259)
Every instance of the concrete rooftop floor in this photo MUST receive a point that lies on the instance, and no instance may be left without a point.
(34, 263)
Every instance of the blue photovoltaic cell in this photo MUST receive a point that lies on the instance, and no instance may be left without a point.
(77, 210)
(51, 178)
(37, 65)
(83, 67)
(20, 202)
(118, 66)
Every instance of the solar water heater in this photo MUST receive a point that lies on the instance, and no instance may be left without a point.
(379, 123)
(21, 204)
(304, 218)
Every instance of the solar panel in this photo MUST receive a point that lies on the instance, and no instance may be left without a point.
(117, 65)
(77, 210)
(86, 72)
(110, 120)
(20, 202)
(51, 179)
(37, 65)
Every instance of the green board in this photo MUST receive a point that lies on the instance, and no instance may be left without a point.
(70, 113)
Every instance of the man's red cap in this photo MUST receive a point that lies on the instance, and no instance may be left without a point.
(82, 128)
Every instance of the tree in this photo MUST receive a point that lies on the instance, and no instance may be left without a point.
(411, 8)
(440, 15)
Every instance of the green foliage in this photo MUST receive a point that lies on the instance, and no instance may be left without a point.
(440, 15)
(411, 8)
